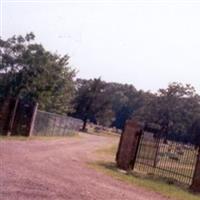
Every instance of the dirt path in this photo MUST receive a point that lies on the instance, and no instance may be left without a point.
(56, 170)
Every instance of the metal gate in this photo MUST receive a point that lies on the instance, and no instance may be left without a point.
(16, 116)
(172, 160)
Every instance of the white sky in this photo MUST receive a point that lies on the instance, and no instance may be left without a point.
(145, 43)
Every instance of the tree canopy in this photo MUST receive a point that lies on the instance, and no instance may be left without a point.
(175, 109)
(92, 101)
(28, 70)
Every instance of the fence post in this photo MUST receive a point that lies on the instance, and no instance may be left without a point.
(128, 145)
(196, 179)
(33, 119)
(13, 117)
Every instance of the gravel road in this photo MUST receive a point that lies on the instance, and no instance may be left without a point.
(57, 170)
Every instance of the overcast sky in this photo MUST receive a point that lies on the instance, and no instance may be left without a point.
(146, 43)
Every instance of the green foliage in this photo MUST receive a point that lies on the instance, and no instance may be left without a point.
(28, 70)
(92, 102)
(174, 109)
(125, 101)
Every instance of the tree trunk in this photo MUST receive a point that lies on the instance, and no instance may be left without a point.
(84, 125)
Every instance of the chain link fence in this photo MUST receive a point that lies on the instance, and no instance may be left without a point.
(51, 124)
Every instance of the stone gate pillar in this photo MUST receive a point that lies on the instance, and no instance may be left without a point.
(128, 145)
(196, 179)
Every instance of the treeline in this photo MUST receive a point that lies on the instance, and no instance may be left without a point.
(28, 70)
(175, 109)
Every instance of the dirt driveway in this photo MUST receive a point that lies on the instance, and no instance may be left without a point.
(57, 169)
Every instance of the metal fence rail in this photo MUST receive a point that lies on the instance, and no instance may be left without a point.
(50, 124)
(173, 160)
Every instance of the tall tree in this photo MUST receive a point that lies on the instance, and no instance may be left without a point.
(126, 100)
(28, 70)
(174, 109)
(92, 101)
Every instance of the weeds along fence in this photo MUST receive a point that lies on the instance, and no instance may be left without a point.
(51, 124)
(172, 160)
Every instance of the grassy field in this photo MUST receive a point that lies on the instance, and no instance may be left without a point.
(106, 164)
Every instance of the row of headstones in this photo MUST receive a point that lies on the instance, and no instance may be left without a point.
(127, 151)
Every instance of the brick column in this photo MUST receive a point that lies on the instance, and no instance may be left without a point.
(196, 180)
(128, 145)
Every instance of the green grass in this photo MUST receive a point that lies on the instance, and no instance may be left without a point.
(110, 150)
(155, 184)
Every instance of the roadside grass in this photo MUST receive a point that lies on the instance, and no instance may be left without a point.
(159, 185)
(45, 138)
(110, 150)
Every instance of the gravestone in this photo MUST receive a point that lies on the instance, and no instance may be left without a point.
(128, 145)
